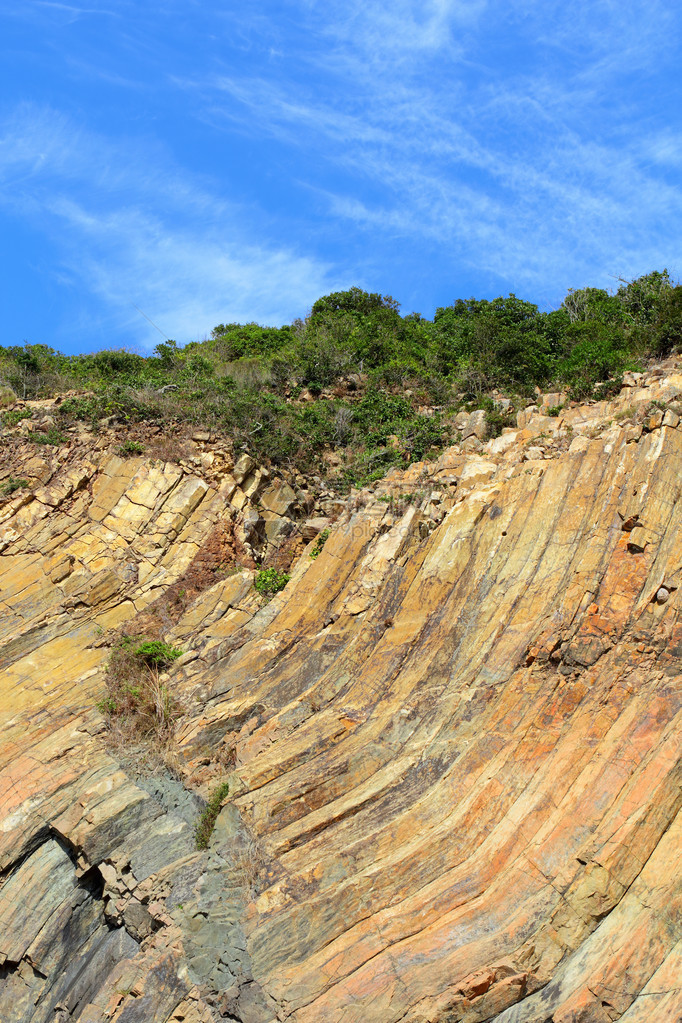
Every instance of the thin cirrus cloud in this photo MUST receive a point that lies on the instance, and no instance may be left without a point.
(218, 161)
(531, 171)
(183, 281)
(146, 236)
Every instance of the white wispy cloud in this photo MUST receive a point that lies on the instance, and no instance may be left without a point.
(186, 282)
(32, 10)
(605, 36)
(131, 229)
(381, 32)
(517, 140)
(664, 147)
(71, 8)
(531, 174)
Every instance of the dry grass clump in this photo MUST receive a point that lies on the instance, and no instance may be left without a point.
(139, 705)
(166, 447)
(247, 372)
(251, 862)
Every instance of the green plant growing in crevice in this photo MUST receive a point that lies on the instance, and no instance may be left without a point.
(130, 447)
(625, 413)
(270, 581)
(497, 419)
(319, 543)
(209, 815)
(157, 654)
(11, 485)
(413, 497)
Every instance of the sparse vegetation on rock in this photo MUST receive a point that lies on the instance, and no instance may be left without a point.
(452, 748)
(131, 447)
(270, 581)
(14, 416)
(318, 546)
(139, 704)
(209, 815)
(11, 485)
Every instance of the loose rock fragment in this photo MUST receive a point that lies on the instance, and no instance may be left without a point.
(639, 538)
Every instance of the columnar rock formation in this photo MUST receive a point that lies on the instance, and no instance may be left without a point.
(452, 741)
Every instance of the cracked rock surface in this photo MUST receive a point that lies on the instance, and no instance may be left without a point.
(452, 742)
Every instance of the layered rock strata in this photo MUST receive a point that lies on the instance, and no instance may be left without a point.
(452, 742)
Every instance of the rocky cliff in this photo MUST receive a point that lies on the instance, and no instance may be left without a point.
(452, 741)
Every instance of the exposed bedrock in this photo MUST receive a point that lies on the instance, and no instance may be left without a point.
(452, 743)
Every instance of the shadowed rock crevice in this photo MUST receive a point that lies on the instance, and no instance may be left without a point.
(57, 948)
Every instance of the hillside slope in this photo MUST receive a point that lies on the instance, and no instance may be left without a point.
(452, 741)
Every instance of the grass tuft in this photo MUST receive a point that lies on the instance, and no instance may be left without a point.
(130, 447)
(11, 418)
(209, 815)
(319, 543)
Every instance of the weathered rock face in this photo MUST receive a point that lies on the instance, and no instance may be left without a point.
(452, 741)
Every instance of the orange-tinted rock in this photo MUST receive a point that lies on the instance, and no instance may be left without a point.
(453, 752)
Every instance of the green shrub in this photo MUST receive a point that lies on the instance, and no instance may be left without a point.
(117, 363)
(496, 418)
(11, 485)
(664, 335)
(130, 447)
(319, 543)
(236, 341)
(209, 815)
(380, 366)
(138, 705)
(10, 419)
(270, 581)
(52, 436)
(597, 354)
(157, 654)
(107, 706)
(88, 407)
(119, 401)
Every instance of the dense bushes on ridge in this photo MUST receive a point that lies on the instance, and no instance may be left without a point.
(368, 371)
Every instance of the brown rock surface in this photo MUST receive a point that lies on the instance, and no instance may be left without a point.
(452, 742)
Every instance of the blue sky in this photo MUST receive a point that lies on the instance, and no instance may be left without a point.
(209, 162)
